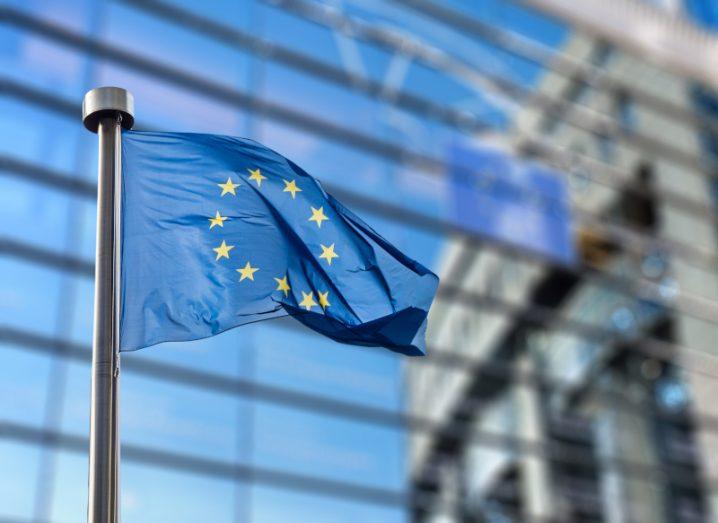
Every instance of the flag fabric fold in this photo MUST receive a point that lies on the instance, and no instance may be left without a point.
(218, 232)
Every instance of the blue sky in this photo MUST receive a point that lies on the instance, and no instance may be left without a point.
(36, 389)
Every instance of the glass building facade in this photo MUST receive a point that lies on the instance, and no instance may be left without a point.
(586, 399)
(272, 423)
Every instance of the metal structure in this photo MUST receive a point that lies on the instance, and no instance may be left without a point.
(106, 111)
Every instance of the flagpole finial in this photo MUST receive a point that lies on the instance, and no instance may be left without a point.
(108, 101)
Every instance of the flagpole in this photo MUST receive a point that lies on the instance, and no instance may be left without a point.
(106, 111)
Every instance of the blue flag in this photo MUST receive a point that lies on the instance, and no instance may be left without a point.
(218, 232)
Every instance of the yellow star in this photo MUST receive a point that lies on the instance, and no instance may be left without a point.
(247, 272)
(223, 250)
(324, 299)
(228, 187)
(328, 253)
(283, 285)
(318, 216)
(217, 220)
(291, 187)
(307, 300)
(256, 175)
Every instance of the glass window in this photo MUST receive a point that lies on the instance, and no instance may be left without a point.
(17, 496)
(39, 137)
(271, 505)
(328, 446)
(39, 63)
(29, 296)
(68, 500)
(624, 111)
(23, 385)
(297, 359)
(171, 45)
(32, 213)
(156, 494)
(179, 418)
(148, 493)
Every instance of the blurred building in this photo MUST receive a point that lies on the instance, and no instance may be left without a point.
(561, 410)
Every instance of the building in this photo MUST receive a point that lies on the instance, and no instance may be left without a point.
(580, 397)
(581, 401)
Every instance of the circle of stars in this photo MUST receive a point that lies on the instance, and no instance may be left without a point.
(317, 216)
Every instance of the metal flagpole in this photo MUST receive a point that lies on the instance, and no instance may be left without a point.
(105, 111)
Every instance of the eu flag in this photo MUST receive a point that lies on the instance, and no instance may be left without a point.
(218, 232)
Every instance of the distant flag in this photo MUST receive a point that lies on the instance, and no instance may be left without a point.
(218, 232)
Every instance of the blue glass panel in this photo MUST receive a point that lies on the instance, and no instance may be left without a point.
(153, 494)
(39, 61)
(75, 14)
(39, 137)
(300, 35)
(301, 360)
(75, 416)
(280, 506)
(29, 296)
(226, 354)
(178, 418)
(17, 496)
(23, 385)
(328, 446)
(33, 213)
(171, 45)
(69, 495)
(80, 328)
(161, 105)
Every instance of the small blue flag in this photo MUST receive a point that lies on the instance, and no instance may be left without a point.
(218, 232)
